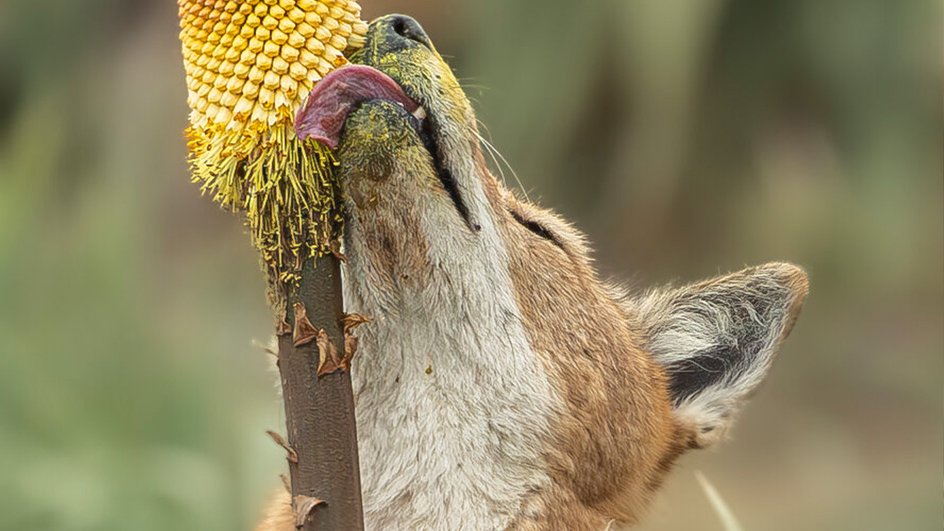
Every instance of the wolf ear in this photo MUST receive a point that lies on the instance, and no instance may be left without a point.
(717, 339)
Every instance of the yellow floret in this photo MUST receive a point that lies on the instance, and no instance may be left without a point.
(250, 64)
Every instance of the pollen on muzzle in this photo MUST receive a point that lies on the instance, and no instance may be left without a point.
(249, 65)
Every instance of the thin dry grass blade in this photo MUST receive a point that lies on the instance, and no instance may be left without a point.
(724, 512)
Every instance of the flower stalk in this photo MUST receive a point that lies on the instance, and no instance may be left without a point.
(250, 64)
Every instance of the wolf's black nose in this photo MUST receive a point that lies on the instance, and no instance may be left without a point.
(402, 27)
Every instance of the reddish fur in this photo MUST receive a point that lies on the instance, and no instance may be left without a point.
(616, 434)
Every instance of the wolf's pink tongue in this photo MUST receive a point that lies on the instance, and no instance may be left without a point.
(335, 96)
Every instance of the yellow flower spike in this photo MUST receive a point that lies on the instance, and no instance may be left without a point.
(250, 64)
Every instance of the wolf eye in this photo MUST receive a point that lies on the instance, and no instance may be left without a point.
(536, 228)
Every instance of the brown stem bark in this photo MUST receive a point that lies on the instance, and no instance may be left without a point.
(319, 411)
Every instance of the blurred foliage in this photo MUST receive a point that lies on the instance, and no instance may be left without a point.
(684, 137)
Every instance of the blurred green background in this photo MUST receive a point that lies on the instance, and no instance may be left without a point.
(686, 138)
